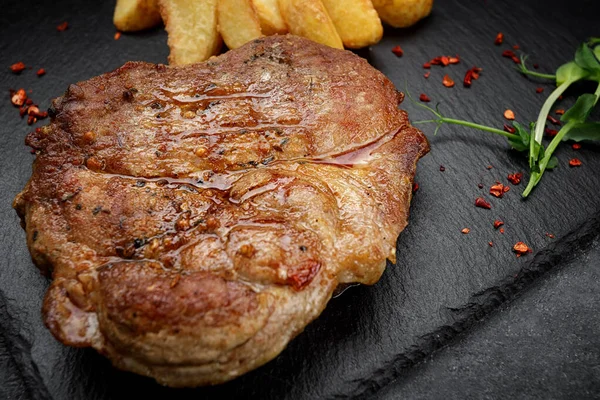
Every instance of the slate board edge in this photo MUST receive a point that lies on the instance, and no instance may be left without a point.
(571, 246)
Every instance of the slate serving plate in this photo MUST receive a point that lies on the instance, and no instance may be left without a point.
(506, 327)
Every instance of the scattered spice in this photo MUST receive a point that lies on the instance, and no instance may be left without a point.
(506, 188)
(471, 75)
(489, 167)
(497, 190)
(442, 168)
(447, 81)
(516, 47)
(521, 248)
(576, 146)
(427, 65)
(18, 67)
(511, 54)
(560, 111)
(553, 120)
(480, 185)
(539, 90)
(426, 75)
(498, 224)
(499, 39)
(502, 231)
(491, 244)
(117, 35)
(62, 27)
(397, 50)
(415, 187)
(575, 162)
(41, 72)
(454, 60)
(515, 178)
(536, 66)
(18, 98)
(465, 231)
(551, 236)
(509, 129)
(509, 115)
(481, 203)
(26, 107)
(424, 98)
(551, 132)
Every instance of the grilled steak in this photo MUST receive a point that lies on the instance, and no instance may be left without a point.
(195, 219)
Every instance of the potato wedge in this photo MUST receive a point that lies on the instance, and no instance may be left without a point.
(192, 29)
(136, 15)
(356, 21)
(238, 22)
(402, 13)
(309, 18)
(269, 15)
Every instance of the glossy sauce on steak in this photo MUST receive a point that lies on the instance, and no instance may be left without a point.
(195, 219)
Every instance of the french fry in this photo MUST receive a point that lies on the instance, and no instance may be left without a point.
(238, 22)
(269, 15)
(136, 15)
(309, 18)
(356, 22)
(192, 29)
(402, 13)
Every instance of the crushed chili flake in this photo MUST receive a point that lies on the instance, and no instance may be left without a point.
(502, 231)
(560, 111)
(481, 203)
(445, 60)
(471, 75)
(536, 66)
(397, 50)
(489, 167)
(551, 236)
(480, 185)
(62, 27)
(28, 102)
(118, 36)
(415, 187)
(424, 98)
(427, 65)
(551, 132)
(539, 90)
(575, 162)
(553, 120)
(465, 231)
(506, 188)
(509, 129)
(491, 244)
(18, 67)
(41, 72)
(509, 115)
(498, 224)
(497, 190)
(508, 54)
(521, 248)
(426, 75)
(576, 146)
(516, 47)
(447, 81)
(442, 168)
(454, 60)
(499, 39)
(18, 98)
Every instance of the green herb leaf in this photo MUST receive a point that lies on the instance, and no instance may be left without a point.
(582, 108)
(552, 163)
(570, 72)
(520, 140)
(584, 131)
(585, 58)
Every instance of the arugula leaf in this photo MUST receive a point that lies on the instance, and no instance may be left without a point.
(582, 108)
(585, 58)
(584, 131)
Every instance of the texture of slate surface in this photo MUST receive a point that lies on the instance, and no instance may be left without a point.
(444, 282)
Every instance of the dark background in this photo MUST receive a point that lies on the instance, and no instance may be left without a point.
(476, 321)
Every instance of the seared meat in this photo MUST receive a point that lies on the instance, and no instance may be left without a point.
(195, 219)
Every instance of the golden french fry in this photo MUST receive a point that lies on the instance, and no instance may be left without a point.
(136, 15)
(356, 22)
(402, 13)
(269, 15)
(309, 18)
(192, 29)
(238, 22)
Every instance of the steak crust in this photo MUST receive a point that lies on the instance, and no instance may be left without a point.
(195, 219)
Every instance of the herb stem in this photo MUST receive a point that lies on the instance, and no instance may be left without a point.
(538, 74)
(467, 124)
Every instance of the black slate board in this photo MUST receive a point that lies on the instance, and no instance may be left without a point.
(444, 282)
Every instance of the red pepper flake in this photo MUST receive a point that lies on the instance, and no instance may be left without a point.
(499, 39)
(516, 60)
(497, 190)
(445, 60)
(481, 203)
(491, 244)
(41, 72)
(509, 129)
(521, 248)
(553, 120)
(442, 168)
(62, 27)
(502, 231)
(489, 167)
(426, 75)
(560, 97)
(551, 132)
(427, 65)
(551, 236)
(498, 224)
(509, 115)
(397, 50)
(28, 102)
(575, 162)
(515, 178)
(576, 146)
(536, 66)
(508, 54)
(465, 231)
(539, 90)
(471, 75)
(516, 47)
(506, 188)
(18, 67)
(447, 81)
(424, 98)
(480, 185)
(118, 36)
(560, 111)
(415, 187)
(454, 60)
(19, 97)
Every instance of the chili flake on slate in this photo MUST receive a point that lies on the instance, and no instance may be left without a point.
(499, 39)
(442, 168)
(117, 35)
(498, 224)
(553, 120)
(481, 203)
(18, 98)
(427, 65)
(41, 72)
(447, 81)
(551, 132)
(502, 231)
(497, 190)
(426, 75)
(454, 60)
(424, 98)
(509, 129)
(491, 244)
(576, 146)
(560, 111)
(489, 167)
(575, 162)
(521, 248)
(536, 66)
(397, 50)
(465, 231)
(511, 54)
(551, 236)
(509, 115)
(471, 75)
(62, 27)
(480, 185)
(515, 178)
(415, 187)
(539, 90)
(18, 67)
(516, 47)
